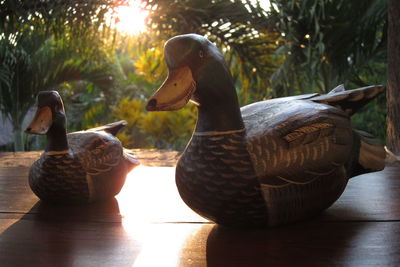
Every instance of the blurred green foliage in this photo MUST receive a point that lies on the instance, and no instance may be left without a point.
(169, 130)
(372, 118)
(294, 47)
(43, 44)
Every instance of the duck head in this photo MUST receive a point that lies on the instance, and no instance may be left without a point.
(197, 72)
(50, 114)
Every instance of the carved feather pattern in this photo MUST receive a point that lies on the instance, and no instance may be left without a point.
(309, 133)
(94, 170)
(298, 201)
(299, 152)
(59, 178)
(98, 152)
(215, 178)
(349, 101)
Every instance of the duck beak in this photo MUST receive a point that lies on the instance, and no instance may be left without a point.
(41, 121)
(175, 92)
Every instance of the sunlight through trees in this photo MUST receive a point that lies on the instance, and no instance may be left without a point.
(103, 55)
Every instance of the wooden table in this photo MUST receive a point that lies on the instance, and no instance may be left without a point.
(148, 225)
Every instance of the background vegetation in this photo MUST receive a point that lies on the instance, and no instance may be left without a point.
(291, 47)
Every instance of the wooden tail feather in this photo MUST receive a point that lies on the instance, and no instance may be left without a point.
(130, 159)
(112, 128)
(371, 156)
(349, 101)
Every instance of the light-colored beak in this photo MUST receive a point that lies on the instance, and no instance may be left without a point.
(175, 92)
(41, 121)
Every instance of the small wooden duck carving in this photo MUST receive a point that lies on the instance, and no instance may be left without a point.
(271, 162)
(79, 167)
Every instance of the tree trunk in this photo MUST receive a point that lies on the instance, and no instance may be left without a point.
(17, 120)
(18, 139)
(393, 83)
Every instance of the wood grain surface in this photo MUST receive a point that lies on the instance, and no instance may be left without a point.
(147, 224)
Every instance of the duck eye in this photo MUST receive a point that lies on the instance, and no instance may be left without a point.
(201, 53)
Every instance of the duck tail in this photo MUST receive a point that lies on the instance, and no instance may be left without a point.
(130, 159)
(111, 128)
(350, 101)
(371, 155)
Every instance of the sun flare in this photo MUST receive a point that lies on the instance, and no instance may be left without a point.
(131, 17)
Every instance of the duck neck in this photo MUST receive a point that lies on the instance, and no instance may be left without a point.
(57, 135)
(220, 111)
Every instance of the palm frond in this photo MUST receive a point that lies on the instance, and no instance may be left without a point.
(329, 42)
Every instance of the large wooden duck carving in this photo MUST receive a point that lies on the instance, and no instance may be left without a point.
(79, 167)
(268, 163)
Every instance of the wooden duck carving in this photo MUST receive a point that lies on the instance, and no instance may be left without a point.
(268, 163)
(79, 167)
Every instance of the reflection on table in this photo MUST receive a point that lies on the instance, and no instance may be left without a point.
(147, 224)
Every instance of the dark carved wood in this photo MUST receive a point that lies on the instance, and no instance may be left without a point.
(215, 178)
(79, 167)
(270, 162)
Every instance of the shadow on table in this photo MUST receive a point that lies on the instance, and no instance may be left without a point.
(304, 244)
(49, 235)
